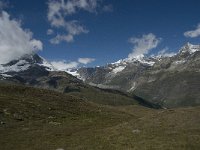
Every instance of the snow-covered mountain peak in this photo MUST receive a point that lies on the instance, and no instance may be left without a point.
(20, 65)
(117, 62)
(190, 48)
(140, 58)
(24, 63)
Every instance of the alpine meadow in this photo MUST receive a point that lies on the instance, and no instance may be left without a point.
(99, 75)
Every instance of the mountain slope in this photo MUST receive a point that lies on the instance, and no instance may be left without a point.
(109, 76)
(32, 70)
(167, 81)
(161, 81)
(32, 118)
(174, 81)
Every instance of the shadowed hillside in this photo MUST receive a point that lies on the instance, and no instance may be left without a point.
(41, 119)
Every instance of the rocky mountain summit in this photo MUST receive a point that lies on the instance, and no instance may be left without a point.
(34, 70)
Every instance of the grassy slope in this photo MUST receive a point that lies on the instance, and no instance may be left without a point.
(105, 97)
(35, 119)
(172, 89)
(66, 83)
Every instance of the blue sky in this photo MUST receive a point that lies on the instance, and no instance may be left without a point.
(110, 25)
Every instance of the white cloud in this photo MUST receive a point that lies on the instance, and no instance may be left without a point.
(165, 52)
(56, 40)
(193, 33)
(3, 5)
(85, 61)
(143, 45)
(59, 12)
(50, 32)
(58, 9)
(15, 41)
(63, 65)
(74, 28)
(108, 8)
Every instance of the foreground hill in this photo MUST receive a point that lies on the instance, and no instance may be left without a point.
(38, 119)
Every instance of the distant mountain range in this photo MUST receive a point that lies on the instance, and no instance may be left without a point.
(35, 71)
(167, 81)
(162, 80)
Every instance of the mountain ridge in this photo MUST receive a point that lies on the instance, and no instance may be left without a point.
(137, 76)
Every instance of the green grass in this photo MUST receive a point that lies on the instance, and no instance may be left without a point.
(105, 97)
(36, 119)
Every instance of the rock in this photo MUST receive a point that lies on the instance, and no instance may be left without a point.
(18, 117)
(2, 123)
(55, 123)
(136, 131)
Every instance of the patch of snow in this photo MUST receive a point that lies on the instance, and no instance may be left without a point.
(150, 63)
(6, 75)
(47, 65)
(179, 62)
(21, 65)
(118, 69)
(190, 48)
(132, 88)
(117, 62)
(75, 74)
(141, 59)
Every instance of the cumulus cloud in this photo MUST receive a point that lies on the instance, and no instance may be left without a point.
(56, 40)
(165, 52)
(63, 65)
(73, 28)
(59, 12)
(15, 41)
(108, 8)
(50, 32)
(3, 5)
(69, 7)
(143, 44)
(85, 61)
(193, 33)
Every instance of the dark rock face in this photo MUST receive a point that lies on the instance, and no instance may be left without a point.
(95, 75)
